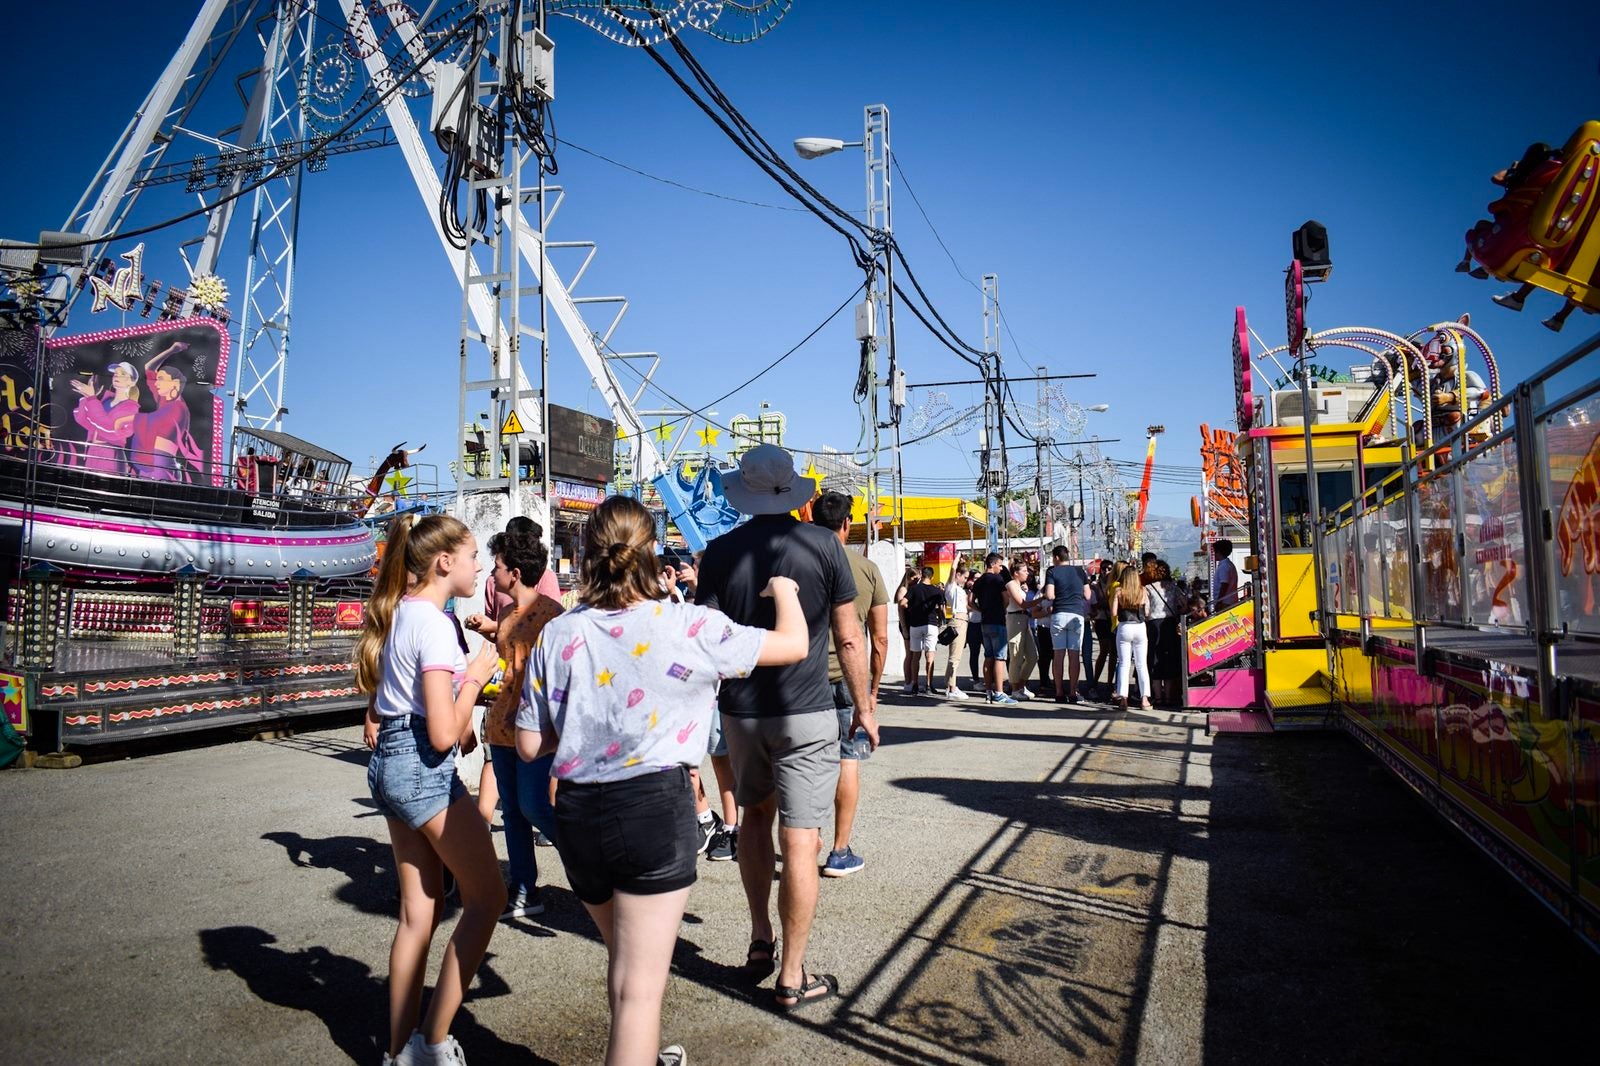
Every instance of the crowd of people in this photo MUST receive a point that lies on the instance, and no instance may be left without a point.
(767, 655)
(1016, 621)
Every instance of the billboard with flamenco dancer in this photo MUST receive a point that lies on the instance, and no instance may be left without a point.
(137, 402)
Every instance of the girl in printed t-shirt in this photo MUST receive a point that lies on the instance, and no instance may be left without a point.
(623, 687)
(410, 659)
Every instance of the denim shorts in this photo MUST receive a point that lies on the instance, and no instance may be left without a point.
(637, 836)
(858, 747)
(994, 642)
(1066, 631)
(716, 743)
(409, 781)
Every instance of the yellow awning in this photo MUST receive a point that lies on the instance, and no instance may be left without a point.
(926, 518)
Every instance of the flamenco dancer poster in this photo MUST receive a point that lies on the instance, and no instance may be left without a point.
(137, 402)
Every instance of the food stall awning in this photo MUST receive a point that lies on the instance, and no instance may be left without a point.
(927, 518)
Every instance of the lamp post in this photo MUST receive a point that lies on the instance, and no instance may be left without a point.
(875, 318)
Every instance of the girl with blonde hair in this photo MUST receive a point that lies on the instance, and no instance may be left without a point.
(1133, 639)
(411, 660)
(622, 688)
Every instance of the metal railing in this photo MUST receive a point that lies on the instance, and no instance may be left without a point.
(1489, 528)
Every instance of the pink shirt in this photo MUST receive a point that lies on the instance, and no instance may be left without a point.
(495, 603)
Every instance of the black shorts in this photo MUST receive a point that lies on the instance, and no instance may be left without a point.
(636, 836)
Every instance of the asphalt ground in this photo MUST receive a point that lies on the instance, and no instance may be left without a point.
(1044, 884)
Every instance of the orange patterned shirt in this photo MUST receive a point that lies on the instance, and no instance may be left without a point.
(518, 632)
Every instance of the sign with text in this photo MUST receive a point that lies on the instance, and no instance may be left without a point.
(1221, 637)
(580, 445)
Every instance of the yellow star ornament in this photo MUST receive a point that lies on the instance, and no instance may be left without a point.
(708, 436)
(663, 433)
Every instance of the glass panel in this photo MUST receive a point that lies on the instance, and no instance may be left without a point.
(1335, 488)
(1441, 578)
(1496, 556)
(1572, 451)
(1394, 544)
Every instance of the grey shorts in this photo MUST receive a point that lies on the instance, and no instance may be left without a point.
(794, 755)
(858, 747)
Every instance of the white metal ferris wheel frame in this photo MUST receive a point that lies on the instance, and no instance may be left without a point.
(273, 114)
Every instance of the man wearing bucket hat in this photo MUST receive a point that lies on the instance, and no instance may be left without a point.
(780, 723)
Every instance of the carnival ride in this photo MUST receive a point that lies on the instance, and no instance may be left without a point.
(1424, 574)
(1542, 232)
(178, 574)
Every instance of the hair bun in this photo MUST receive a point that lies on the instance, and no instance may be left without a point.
(619, 556)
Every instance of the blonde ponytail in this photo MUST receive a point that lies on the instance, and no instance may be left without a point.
(393, 577)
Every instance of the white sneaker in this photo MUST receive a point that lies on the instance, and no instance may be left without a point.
(1021, 693)
(672, 1055)
(415, 1053)
(448, 1054)
(954, 693)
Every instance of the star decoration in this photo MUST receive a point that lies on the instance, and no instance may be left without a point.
(603, 678)
(640, 649)
(397, 482)
(10, 692)
(664, 432)
(708, 436)
(208, 291)
(811, 468)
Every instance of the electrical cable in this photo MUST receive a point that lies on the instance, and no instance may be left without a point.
(898, 169)
(676, 184)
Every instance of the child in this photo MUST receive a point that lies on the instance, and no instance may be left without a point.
(622, 687)
(520, 563)
(423, 690)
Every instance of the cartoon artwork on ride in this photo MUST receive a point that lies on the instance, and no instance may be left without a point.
(135, 402)
(1542, 231)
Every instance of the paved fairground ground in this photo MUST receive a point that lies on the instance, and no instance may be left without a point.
(1044, 884)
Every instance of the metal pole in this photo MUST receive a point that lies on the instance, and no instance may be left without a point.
(1313, 498)
(1039, 452)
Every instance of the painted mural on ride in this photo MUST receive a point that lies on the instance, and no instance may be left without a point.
(136, 402)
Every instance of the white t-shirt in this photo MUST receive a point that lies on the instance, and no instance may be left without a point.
(956, 597)
(1222, 576)
(421, 639)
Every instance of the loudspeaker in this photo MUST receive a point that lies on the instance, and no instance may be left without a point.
(1311, 248)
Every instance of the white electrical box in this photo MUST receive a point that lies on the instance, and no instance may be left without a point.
(539, 63)
(449, 83)
(866, 320)
(897, 388)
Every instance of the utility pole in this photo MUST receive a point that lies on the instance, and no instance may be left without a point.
(993, 480)
(1041, 456)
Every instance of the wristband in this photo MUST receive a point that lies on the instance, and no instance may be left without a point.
(472, 681)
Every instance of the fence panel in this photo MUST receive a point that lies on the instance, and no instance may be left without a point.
(1441, 583)
(1494, 529)
(1571, 438)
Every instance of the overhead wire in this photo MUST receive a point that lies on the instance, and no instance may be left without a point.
(275, 171)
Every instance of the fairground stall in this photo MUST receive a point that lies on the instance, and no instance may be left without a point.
(1423, 572)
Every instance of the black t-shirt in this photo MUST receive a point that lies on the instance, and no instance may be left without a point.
(990, 592)
(733, 572)
(1068, 582)
(924, 604)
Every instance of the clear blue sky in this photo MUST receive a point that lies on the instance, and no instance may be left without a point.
(1131, 175)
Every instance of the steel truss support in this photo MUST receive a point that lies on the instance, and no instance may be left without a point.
(267, 299)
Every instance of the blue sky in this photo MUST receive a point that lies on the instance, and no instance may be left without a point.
(1131, 175)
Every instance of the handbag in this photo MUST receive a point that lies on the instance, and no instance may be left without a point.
(947, 635)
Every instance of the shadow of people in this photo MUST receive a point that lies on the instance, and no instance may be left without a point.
(350, 1000)
(368, 864)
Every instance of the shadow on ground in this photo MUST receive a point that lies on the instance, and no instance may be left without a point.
(344, 993)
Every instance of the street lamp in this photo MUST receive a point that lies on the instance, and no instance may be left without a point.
(875, 318)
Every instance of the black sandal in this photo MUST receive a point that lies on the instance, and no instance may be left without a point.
(825, 981)
(759, 968)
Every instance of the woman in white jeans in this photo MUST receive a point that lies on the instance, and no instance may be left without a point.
(1133, 641)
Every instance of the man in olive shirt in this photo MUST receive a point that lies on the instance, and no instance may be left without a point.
(832, 512)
